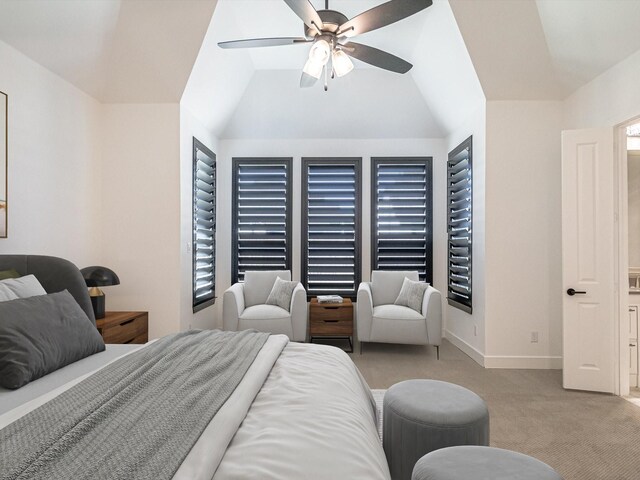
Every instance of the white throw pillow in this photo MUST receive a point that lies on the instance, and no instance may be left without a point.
(281, 293)
(23, 287)
(6, 294)
(411, 294)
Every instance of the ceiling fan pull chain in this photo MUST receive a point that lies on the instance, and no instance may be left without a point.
(326, 79)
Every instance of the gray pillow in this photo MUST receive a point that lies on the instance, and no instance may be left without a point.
(41, 334)
(411, 294)
(281, 293)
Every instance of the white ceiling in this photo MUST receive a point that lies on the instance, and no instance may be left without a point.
(144, 51)
(545, 49)
(588, 37)
(273, 106)
(368, 103)
(118, 51)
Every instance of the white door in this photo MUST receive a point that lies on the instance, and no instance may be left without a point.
(588, 260)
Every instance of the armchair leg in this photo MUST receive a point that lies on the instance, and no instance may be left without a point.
(438, 352)
(360, 348)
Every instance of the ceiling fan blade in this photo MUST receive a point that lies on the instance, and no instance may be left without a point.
(306, 12)
(377, 58)
(263, 42)
(307, 80)
(381, 16)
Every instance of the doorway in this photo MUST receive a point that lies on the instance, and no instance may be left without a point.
(631, 133)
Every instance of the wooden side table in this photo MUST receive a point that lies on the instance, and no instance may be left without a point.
(331, 320)
(124, 327)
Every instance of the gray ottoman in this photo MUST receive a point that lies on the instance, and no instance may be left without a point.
(481, 463)
(424, 415)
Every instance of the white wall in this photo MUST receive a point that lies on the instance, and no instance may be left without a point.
(329, 148)
(54, 188)
(467, 331)
(523, 234)
(140, 211)
(191, 127)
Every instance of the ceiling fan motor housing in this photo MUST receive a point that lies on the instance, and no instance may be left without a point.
(331, 20)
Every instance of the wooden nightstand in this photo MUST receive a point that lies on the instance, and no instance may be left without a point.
(124, 327)
(331, 320)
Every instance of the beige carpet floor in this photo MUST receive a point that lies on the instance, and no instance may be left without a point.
(585, 436)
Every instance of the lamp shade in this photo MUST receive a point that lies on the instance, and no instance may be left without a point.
(99, 276)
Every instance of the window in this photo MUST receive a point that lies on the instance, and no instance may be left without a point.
(331, 226)
(204, 226)
(459, 221)
(402, 211)
(261, 215)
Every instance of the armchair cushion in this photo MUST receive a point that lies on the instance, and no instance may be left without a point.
(411, 294)
(396, 312)
(258, 285)
(386, 285)
(267, 318)
(265, 312)
(281, 293)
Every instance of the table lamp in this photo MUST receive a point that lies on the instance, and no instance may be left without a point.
(96, 277)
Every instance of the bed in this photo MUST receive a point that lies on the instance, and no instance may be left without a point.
(300, 411)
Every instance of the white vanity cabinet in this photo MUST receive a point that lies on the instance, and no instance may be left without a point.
(634, 308)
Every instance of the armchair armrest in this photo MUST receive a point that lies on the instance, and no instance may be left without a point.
(298, 310)
(432, 311)
(364, 312)
(232, 306)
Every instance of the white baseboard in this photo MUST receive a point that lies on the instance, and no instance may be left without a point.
(531, 362)
(504, 361)
(475, 355)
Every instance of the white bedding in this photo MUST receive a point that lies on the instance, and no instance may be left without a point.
(11, 399)
(302, 412)
(314, 418)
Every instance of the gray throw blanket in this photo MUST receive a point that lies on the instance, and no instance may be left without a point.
(136, 418)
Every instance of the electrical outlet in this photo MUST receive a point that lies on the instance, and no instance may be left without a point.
(475, 330)
(534, 337)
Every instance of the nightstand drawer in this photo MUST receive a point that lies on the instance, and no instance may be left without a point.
(124, 327)
(331, 327)
(332, 312)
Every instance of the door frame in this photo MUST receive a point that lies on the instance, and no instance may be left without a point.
(621, 260)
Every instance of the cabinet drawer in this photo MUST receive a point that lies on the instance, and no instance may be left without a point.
(133, 330)
(330, 327)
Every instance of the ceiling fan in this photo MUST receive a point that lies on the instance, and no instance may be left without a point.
(330, 34)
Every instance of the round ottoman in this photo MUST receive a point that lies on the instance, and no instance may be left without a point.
(424, 415)
(481, 463)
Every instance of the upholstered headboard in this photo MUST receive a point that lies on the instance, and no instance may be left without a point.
(55, 274)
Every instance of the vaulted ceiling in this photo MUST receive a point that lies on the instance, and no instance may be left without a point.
(146, 51)
(117, 51)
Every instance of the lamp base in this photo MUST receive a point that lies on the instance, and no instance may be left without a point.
(97, 302)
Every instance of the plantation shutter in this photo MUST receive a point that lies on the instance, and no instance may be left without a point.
(204, 226)
(459, 216)
(261, 215)
(402, 215)
(331, 226)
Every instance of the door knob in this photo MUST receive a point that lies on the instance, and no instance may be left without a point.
(571, 292)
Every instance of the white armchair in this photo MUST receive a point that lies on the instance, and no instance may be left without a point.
(379, 320)
(243, 306)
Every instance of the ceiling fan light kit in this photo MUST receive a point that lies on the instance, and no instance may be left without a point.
(342, 64)
(330, 32)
